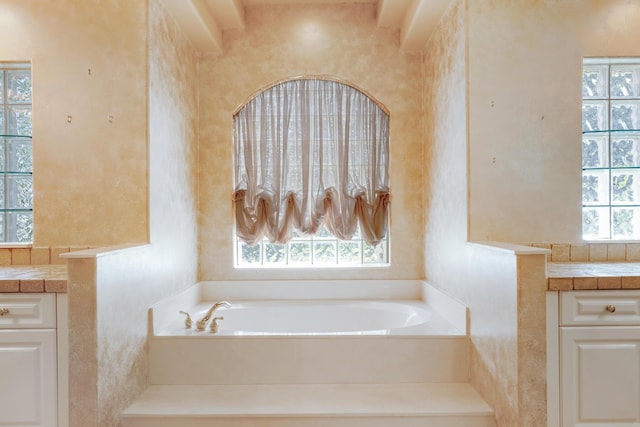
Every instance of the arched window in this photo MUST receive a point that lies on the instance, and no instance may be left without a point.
(311, 153)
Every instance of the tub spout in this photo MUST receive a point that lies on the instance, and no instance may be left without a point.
(202, 323)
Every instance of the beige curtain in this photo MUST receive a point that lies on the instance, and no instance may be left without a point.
(310, 152)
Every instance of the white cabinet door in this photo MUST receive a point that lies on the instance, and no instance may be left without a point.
(28, 386)
(600, 376)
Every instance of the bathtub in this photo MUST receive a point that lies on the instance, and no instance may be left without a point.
(318, 317)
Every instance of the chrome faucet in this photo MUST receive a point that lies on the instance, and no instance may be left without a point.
(202, 323)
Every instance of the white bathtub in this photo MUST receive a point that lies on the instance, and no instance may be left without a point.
(318, 317)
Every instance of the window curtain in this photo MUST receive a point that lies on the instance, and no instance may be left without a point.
(308, 153)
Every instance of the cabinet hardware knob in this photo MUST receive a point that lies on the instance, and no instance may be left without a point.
(4, 311)
(611, 308)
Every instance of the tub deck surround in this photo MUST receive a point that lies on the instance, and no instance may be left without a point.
(33, 278)
(311, 405)
(311, 377)
(570, 276)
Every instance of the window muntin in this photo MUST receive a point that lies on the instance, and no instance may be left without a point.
(311, 153)
(16, 158)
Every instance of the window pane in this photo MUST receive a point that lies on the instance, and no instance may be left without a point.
(595, 81)
(595, 187)
(595, 116)
(2, 128)
(595, 151)
(18, 87)
(625, 81)
(376, 254)
(349, 252)
(625, 115)
(24, 226)
(19, 226)
(248, 254)
(1, 87)
(18, 120)
(324, 252)
(19, 192)
(19, 155)
(625, 187)
(595, 223)
(300, 252)
(625, 150)
(625, 223)
(274, 254)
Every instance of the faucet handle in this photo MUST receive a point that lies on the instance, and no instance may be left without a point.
(214, 324)
(187, 322)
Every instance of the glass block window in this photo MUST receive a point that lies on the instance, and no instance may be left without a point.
(320, 250)
(16, 159)
(611, 149)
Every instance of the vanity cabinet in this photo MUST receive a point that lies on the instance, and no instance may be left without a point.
(28, 360)
(599, 346)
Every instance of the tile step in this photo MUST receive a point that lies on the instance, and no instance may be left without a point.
(306, 405)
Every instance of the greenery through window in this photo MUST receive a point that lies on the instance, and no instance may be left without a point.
(16, 159)
(611, 149)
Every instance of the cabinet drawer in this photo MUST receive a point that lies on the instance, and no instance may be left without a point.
(18, 311)
(600, 308)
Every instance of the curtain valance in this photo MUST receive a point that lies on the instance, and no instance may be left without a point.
(310, 152)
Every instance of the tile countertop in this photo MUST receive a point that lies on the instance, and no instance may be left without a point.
(569, 276)
(33, 278)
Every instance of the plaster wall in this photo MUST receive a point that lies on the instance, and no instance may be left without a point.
(501, 289)
(110, 291)
(284, 41)
(89, 64)
(525, 61)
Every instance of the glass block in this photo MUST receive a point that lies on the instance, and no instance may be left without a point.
(19, 192)
(595, 223)
(323, 233)
(19, 155)
(300, 252)
(595, 187)
(1, 90)
(625, 81)
(349, 252)
(625, 223)
(625, 115)
(625, 150)
(2, 129)
(324, 252)
(2, 156)
(274, 254)
(18, 120)
(625, 186)
(3, 205)
(595, 116)
(248, 255)
(18, 87)
(595, 81)
(19, 226)
(595, 150)
(378, 254)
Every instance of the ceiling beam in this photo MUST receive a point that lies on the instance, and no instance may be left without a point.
(196, 21)
(419, 22)
(229, 14)
(391, 13)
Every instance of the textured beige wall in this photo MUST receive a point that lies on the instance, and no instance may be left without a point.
(524, 110)
(90, 180)
(110, 293)
(280, 42)
(501, 290)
